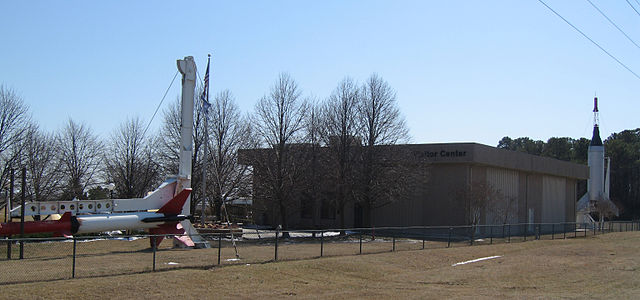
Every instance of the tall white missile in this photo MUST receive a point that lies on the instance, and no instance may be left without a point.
(598, 183)
(595, 185)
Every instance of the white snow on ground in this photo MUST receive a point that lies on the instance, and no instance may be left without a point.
(476, 260)
(253, 234)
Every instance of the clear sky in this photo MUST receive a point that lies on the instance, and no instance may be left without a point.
(464, 71)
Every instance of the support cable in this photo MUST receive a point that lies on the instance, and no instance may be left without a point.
(592, 41)
(160, 104)
(614, 24)
(634, 9)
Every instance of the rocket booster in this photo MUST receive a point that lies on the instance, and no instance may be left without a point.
(167, 215)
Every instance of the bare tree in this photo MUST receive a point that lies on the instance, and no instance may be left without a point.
(14, 122)
(381, 124)
(339, 131)
(43, 169)
(605, 209)
(80, 155)
(131, 161)
(279, 122)
(503, 209)
(477, 197)
(312, 194)
(228, 132)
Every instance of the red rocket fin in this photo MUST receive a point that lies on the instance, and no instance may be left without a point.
(66, 217)
(174, 206)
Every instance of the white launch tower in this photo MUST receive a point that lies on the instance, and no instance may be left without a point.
(597, 195)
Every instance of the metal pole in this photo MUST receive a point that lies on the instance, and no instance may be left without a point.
(422, 243)
(154, 247)
(553, 231)
(394, 243)
(22, 199)
(449, 239)
(471, 238)
(276, 246)
(204, 171)
(509, 233)
(584, 226)
(490, 234)
(73, 267)
(564, 230)
(321, 243)
(361, 243)
(220, 246)
(524, 234)
(11, 180)
(575, 230)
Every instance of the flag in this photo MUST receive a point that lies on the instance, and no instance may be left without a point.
(205, 93)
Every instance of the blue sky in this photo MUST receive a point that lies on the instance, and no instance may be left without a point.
(464, 71)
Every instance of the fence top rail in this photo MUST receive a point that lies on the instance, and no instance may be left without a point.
(349, 231)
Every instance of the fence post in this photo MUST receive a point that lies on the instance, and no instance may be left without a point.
(423, 243)
(509, 233)
(564, 230)
(276, 246)
(537, 232)
(585, 229)
(394, 243)
(321, 243)
(220, 246)
(472, 233)
(449, 239)
(360, 242)
(575, 230)
(154, 247)
(23, 189)
(553, 231)
(73, 267)
(9, 248)
(490, 234)
(524, 234)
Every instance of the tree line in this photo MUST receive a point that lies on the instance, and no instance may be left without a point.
(622, 147)
(75, 163)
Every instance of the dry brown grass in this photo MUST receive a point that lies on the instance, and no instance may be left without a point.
(604, 266)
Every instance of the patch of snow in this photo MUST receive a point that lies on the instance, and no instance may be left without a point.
(476, 260)
(172, 263)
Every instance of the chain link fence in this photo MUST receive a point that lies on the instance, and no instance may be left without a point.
(44, 259)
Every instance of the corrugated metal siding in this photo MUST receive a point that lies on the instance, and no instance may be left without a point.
(506, 181)
(553, 199)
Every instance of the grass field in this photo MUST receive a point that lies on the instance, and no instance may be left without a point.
(602, 266)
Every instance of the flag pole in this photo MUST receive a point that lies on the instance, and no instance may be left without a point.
(205, 109)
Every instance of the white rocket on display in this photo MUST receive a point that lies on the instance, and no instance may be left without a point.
(598, 183)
